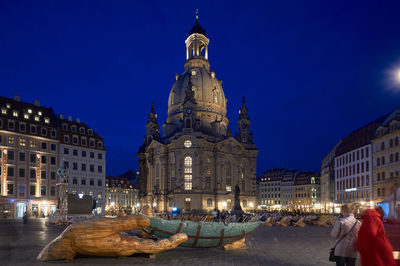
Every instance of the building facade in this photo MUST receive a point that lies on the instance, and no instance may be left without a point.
(307, 191)
(287, 189)
(82, 151)
(270, 188)
(29, 145)
(386, 158)
(121, 194)
(328, 181)
(353, 167)
(195, 163)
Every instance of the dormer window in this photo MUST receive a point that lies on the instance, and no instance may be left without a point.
(40, 113)
(90, 132)
(36, 118)
(73, 128)
(83, 141)
(4, 111)
(8, 105)
(47, 120)
(26, 116)
(99, 145)
(91, 143)
(30, 111)
(66, 138)
(65, 127)
(75, 140)
(15, 113)
(82, 130)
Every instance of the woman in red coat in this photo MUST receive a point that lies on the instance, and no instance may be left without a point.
(375, 249)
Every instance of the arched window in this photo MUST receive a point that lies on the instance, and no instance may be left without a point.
(228, 169)
(188, 123)
(215, 96)
(157, 170)
(188, 172)
(312, 180)
(208, 167)
(391, 158)
(172, 98)
(378, 161)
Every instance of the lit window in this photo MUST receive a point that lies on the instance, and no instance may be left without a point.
(4, 111)
(188, 199)
(26, 116)
(215, 97)
(8, 105)
(10, 140)
(22, 142)
(15, 113)
(229, 188)
(32, 144)
(36, 118)
(30, 111)
(47, 120)
(188, 173)
(188, 143)
(40, 113)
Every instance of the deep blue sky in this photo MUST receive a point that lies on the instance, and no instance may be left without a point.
(311, 71)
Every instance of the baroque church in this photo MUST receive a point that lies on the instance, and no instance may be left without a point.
(194, 163)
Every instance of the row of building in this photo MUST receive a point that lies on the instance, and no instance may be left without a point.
(34, 143)
(364, 167)
(289, 190)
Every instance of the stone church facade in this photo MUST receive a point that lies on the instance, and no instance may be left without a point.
(195, 163)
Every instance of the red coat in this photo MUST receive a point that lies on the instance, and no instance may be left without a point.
(375, 249)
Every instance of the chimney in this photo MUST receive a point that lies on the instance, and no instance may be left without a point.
(61, 116)
(78, 120)
(36, 103)
(17, 98)
(69, 118)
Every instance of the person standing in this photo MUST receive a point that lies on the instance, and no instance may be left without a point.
(345, 232)
(25, 218)
(375, 249)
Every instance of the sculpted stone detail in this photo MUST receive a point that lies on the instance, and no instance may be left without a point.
(106, 237)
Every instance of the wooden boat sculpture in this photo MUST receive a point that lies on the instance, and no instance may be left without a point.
(200, 235)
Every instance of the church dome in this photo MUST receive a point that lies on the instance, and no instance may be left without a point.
(208, 91)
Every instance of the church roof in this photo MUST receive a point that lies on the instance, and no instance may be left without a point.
(197, 28)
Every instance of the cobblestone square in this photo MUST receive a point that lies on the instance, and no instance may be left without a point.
(20, 244)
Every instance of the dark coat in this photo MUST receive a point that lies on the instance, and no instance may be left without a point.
(375, 249)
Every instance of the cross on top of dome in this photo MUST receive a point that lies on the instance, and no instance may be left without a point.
(197, 28)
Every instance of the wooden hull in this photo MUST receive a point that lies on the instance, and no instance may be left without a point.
(201, 235)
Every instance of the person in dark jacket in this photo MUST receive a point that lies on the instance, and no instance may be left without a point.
(375, 249)
(25, 218)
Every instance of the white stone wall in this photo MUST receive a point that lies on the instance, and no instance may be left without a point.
(96, 190)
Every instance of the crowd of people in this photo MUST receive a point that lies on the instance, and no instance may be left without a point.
(367, 237)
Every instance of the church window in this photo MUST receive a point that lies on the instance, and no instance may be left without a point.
(188, 123)
(228, 169)
(312, 180)
(215, 96)
(188, 172)
(209, 202)
(187, 143)
(208, 167)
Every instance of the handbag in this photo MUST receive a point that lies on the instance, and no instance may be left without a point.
(332, 251)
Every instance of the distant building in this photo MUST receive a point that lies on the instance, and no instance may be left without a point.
(353, 167)
(270, 188)
(287, 189)
(82, 151)
(29, 144)
(386, 158)
(307, 191)
(328, 181)
(121, 194)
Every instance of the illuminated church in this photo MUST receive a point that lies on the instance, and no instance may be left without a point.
(195, 163)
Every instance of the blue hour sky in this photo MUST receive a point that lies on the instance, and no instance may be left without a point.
(311, 71)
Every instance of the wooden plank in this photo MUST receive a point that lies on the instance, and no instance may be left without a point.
(197, 236)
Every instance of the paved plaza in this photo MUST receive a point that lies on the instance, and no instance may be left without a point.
(20, 244)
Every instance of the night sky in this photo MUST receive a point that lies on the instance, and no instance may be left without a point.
(311, 71)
